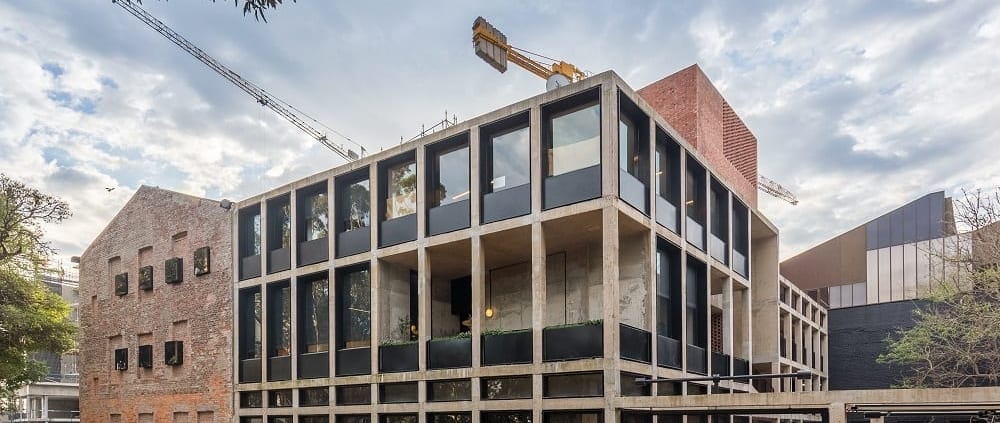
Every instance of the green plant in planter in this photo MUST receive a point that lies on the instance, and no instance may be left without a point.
(395, 342)
(460, 335)
(595, 322)
(495, 332)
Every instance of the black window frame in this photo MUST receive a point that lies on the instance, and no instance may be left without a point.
(305, 212)
(250, 316)
(274, 325)
(121, 359)
(279, 222)
(173, 353)
(433, 154)
(341, 293)
(145, 357)
(305, 286)
(669, 303)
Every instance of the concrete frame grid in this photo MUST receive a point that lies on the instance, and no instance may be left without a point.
(806, 320)
(608, 213)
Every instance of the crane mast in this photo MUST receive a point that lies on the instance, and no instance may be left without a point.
(283, 109)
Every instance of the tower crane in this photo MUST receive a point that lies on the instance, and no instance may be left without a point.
(290, 113)
(491, 45)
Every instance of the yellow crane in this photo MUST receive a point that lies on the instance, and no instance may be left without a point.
(491, 46)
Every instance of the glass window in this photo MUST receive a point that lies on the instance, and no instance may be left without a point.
(314, 396)
(506, 417)
(632, 389)
(628, 149)
(575, 141)
(253, 399)
(280, 398)
(668, 286)
(353, 418)
(696, 303)
(397, 392)
(573, 385)
(315, 318)
(121, 359)
(452, 176)
(397, 418)
(145, 357)
(279, 217)
(694, 200)
(449, 390)
(507, 388)
(279, 317)
(279, 419)
(401, 197)
(315, 216)
(449, 417)
(251, 419)
(354, 395)
(314, 419)
(573, 417)
(668, 173)
(250, 231)
(355, 309)
(355, 206)
(509, 166)
(250, 323)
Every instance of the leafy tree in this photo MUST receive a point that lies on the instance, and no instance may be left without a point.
(32, 318)
(955, 341)
(257, 7)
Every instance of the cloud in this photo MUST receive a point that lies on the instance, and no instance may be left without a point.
(859, 106)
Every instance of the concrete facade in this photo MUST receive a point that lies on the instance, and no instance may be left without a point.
(154, 226)
(588, 262)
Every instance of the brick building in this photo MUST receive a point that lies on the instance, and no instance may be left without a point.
(156, 313)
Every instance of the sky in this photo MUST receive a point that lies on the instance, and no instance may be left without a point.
(858, 106)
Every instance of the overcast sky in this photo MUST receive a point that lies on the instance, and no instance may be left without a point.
(858, 106)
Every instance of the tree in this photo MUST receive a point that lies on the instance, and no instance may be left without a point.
(32, 318)
(955, 341)
(257, 7)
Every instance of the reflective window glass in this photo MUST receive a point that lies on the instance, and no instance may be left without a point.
(575, 141)
(315, 218)
(401, 197)
(452, 176)
(355, 207)
(510, 160)
(355, 309)
(279, 317)
(314, 297)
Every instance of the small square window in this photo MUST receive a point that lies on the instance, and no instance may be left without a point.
(279, 398)
(145, 356)
(121, 359)
(251, 399)
(354, 395)
(145, 278)
(173, 353)
(173, 270)
(202, 261)
(121, 284)
(314, 396)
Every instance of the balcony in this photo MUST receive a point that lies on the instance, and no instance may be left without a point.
(697, 360)
(668, 352)
(573, 342)
(720, 364)
(635, 344)
(632, 190)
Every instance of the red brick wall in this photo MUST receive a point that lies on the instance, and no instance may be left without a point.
(689, 102)
(197, 311)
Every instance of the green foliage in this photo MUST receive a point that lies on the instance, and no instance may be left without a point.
(494, 332)
(32, 318)
(460, 335)
(595, 322)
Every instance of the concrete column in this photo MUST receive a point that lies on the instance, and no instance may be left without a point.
(376, 215)
(538, 298)
(375, 273)
(609, 140)
(837, 413)
(537, 153)
(45, 407)
(421, 192)
(293, 287)
(612, 309)
(728, 328)
(331, 308)
(424, 305)
(475, 178)
(478, 297)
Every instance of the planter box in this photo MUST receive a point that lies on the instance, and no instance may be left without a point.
(508, 203)
(632, 190)
(398, 358)
(398, 230)
(314, 365)
(448, 218)
(635, 344)
(250, 267)
(279, 260)
(173, 270)
(250, 370)
(315, 251)
(354, 361)
(720, 364)
(353, 242)
(741, 367)
(449, 353)
(146, 278)
(697, 360)
(507, 348)
(572, 187)
(666, 214)
(572, 342)
(279, 368)
(668, 352)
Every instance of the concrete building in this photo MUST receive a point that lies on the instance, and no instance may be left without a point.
(56, 398)
(525, 265)
(156, 314)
